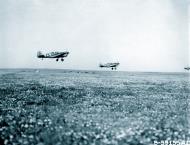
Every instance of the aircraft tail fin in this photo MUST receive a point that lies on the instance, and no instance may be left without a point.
(100, 65)
(40, 54)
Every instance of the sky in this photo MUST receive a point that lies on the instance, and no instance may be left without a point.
(143, 35)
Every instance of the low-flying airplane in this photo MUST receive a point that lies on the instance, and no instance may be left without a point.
(187, 68)
(56, 55)
(110, 65)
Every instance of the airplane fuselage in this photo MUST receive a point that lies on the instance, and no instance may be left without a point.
(109, 65)
(187, 68)
(56, 55)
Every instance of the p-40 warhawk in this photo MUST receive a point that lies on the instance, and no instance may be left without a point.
(56, 55)
(187, 68)
(110, 65)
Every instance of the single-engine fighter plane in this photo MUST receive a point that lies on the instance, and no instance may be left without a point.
(110, 65)
(56, 55)
(187, 68)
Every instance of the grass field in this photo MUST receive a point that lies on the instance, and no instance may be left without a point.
(90, 107)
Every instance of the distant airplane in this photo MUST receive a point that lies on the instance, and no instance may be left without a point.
(56, 55)
(110, 65)
(187, 68)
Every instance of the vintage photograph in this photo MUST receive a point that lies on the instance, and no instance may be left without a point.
(94, 72)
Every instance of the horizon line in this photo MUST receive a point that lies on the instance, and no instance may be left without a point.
(99, 70)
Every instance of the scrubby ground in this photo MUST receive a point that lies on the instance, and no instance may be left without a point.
(89, 107)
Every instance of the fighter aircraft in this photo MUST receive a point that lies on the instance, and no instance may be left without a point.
(56, 55)
(187, 68)
(110, 65)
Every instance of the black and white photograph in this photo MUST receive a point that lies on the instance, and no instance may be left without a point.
(94, 72)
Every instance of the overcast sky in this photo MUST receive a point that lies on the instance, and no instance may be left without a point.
(143, 35)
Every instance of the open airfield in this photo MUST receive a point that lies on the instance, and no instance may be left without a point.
(92, 107)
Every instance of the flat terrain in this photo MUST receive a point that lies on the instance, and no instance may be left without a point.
(92, 107)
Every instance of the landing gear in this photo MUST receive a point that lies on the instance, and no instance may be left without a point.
(58, 59)
(112, 68)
